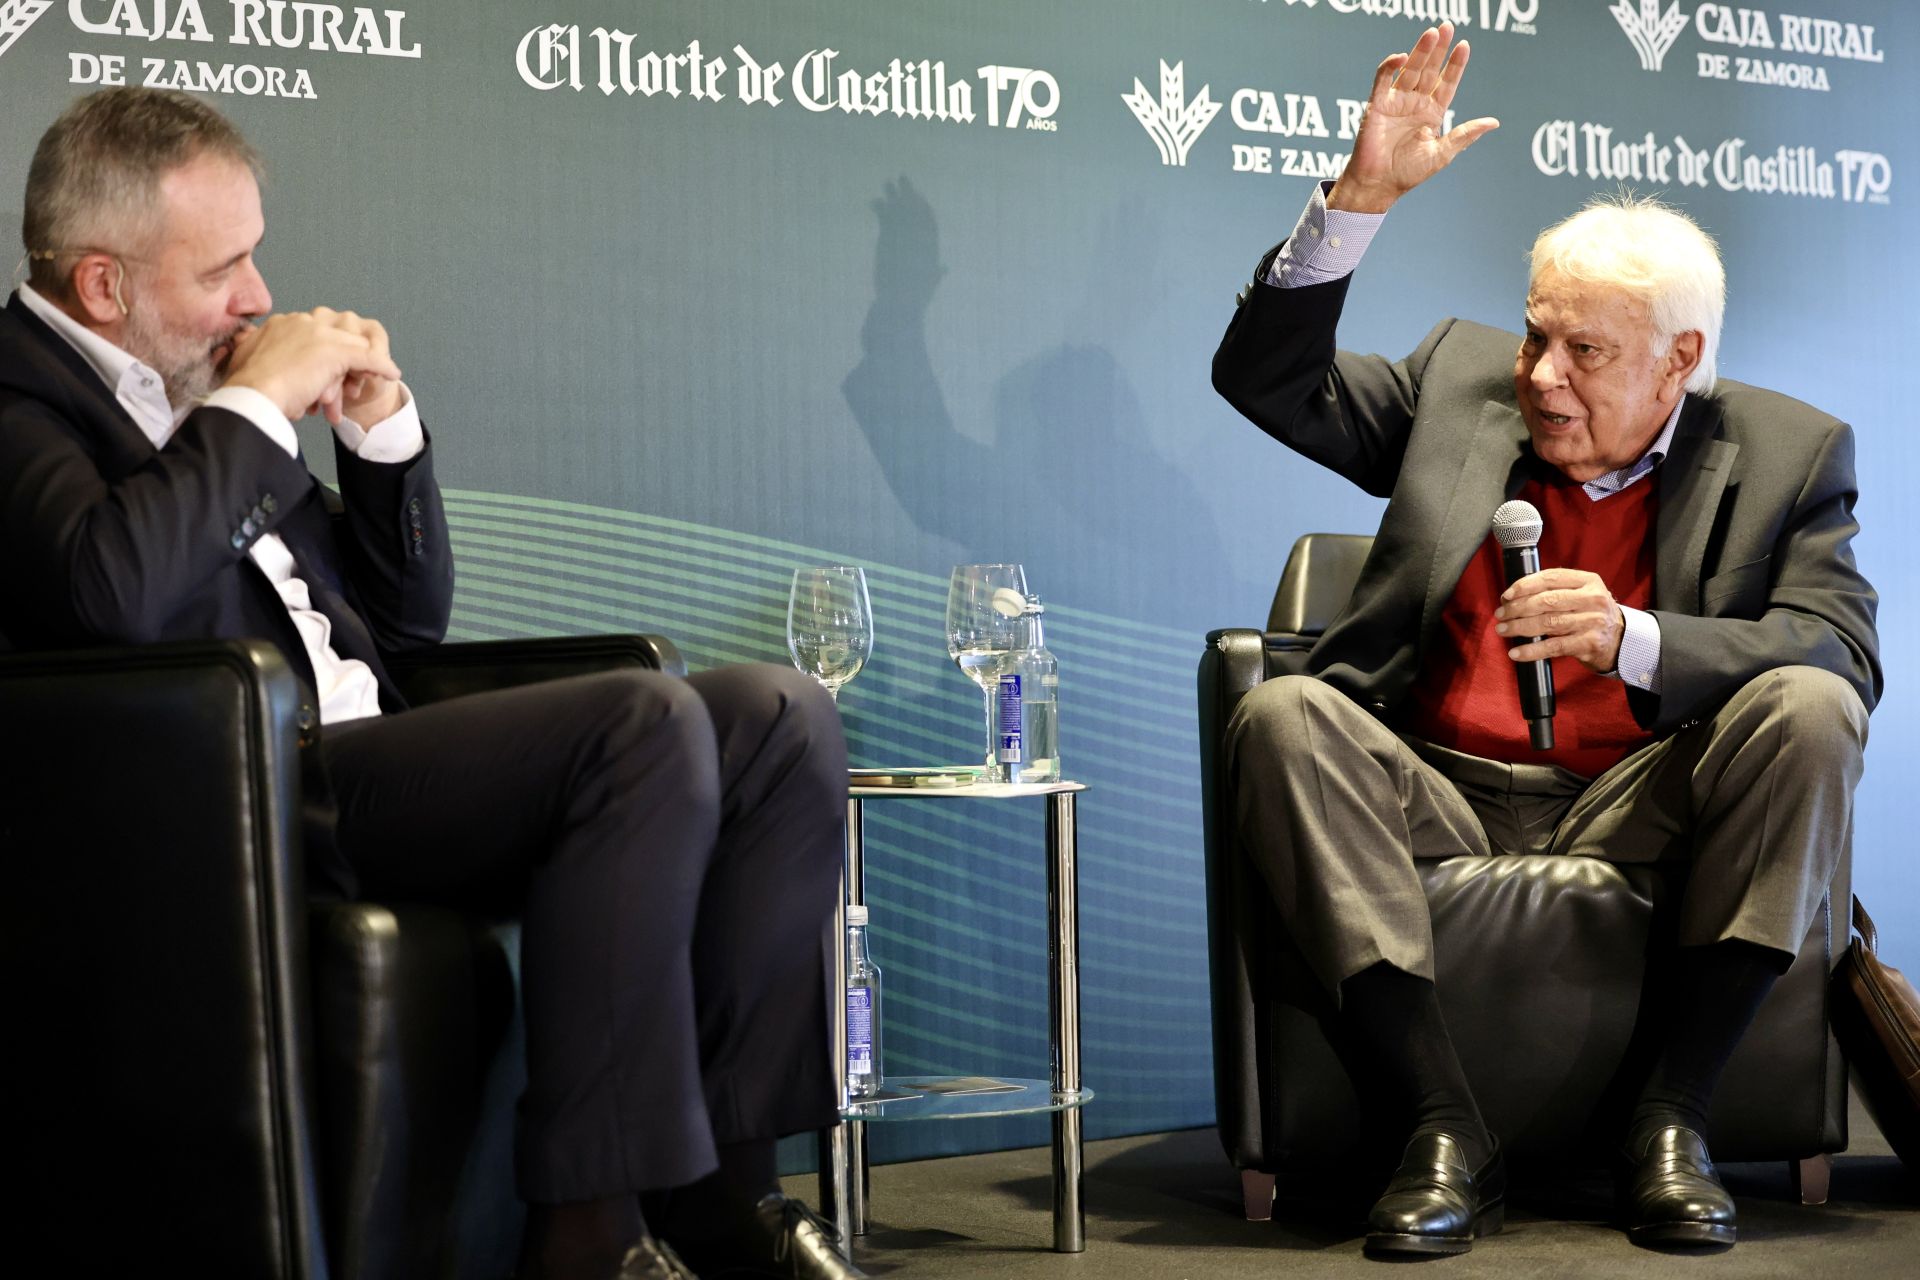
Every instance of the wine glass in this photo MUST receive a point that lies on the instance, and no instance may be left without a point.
(984, 602)
(830, 624)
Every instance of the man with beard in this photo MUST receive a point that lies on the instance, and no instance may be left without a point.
(672, 846)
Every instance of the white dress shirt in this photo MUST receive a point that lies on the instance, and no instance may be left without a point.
(346, 686)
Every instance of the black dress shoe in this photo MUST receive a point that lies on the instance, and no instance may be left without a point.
(1434, 1203)
(783, 1238)
(653, 1260)
(1670, 1195)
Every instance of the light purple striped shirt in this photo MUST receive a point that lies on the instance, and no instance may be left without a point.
(1327, 244)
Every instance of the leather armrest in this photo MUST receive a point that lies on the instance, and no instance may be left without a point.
(149, 813)
(1233, 663)
(453, 670)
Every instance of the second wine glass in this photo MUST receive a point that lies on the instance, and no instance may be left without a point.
(984, 602)
(830, 624)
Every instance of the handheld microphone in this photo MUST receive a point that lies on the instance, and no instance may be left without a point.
(1516, 527)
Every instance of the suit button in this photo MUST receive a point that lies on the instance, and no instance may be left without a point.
(413, 506)
(239, 541)
(248, 527)
(268, 505)
(305, 718)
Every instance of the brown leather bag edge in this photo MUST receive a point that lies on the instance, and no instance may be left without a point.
(1875, 1013)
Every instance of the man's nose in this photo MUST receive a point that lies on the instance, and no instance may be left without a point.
(1546, 374)
(252, 298)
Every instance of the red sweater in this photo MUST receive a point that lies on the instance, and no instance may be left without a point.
(1467, 696)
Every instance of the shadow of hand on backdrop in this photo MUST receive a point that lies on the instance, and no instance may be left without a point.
(1071, 480)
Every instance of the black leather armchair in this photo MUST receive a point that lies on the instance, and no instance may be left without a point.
(1540, 963)
(209, 1071)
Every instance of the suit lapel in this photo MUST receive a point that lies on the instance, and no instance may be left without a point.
(1492, 469)
(1692, 480)
(67, 376)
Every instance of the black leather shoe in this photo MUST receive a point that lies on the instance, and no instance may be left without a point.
(1670, 1195)
(653, 1260)
(783, 1239)
(1434, 1204)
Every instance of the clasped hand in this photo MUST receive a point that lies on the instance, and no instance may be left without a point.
(320, 361)
(1570, 611)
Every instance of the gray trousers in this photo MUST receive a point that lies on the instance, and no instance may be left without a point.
(1334, 808)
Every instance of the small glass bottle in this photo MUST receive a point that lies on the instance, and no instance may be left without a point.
(1027, 705)
(863, 1011)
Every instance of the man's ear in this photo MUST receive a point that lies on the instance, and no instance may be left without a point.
(98, 287)
(1683, 357)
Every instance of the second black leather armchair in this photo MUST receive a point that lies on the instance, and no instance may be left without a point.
(1541, 963)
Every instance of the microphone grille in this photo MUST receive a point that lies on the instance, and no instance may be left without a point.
(1517, 524)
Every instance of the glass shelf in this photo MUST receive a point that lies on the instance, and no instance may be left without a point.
(964, 790)
(1032, 1097)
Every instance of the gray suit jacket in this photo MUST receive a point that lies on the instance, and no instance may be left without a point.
(1754, 565)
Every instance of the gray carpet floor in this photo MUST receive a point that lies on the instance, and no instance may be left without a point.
(1168, 1205)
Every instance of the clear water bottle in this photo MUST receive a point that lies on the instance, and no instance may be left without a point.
(1027, 706)
(863, 1011)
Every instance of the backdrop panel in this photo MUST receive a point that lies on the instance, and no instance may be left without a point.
(694, 293)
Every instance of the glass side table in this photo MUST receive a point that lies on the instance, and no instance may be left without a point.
(843, 1156)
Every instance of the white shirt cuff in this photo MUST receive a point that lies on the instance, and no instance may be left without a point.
(1639, 660)
(1326, 244)
(260, 411)
(396, 439)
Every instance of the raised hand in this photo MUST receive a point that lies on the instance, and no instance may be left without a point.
(325, 361)
(1401, 144)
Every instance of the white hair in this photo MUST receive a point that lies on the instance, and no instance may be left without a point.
(1653, 252)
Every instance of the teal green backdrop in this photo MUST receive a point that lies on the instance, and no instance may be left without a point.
(693, 292)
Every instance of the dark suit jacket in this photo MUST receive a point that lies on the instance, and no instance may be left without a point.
(1754, 565)
(106, 540)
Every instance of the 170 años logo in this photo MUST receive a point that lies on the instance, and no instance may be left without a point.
(562, 56)
(1587, 149)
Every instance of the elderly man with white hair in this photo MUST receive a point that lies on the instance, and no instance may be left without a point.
(1711, 640)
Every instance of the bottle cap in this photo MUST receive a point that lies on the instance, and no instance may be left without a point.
(856, 915)
(1007, 602)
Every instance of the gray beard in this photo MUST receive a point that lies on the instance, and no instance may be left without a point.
(185, 365)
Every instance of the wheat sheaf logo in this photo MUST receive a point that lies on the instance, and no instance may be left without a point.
(16, 16)
(1651, 32)
(1173, 123)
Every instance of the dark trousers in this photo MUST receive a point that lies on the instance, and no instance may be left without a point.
(673, 848)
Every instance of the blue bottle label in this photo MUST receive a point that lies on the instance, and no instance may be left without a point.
(859, 1031)
(1007, 722)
